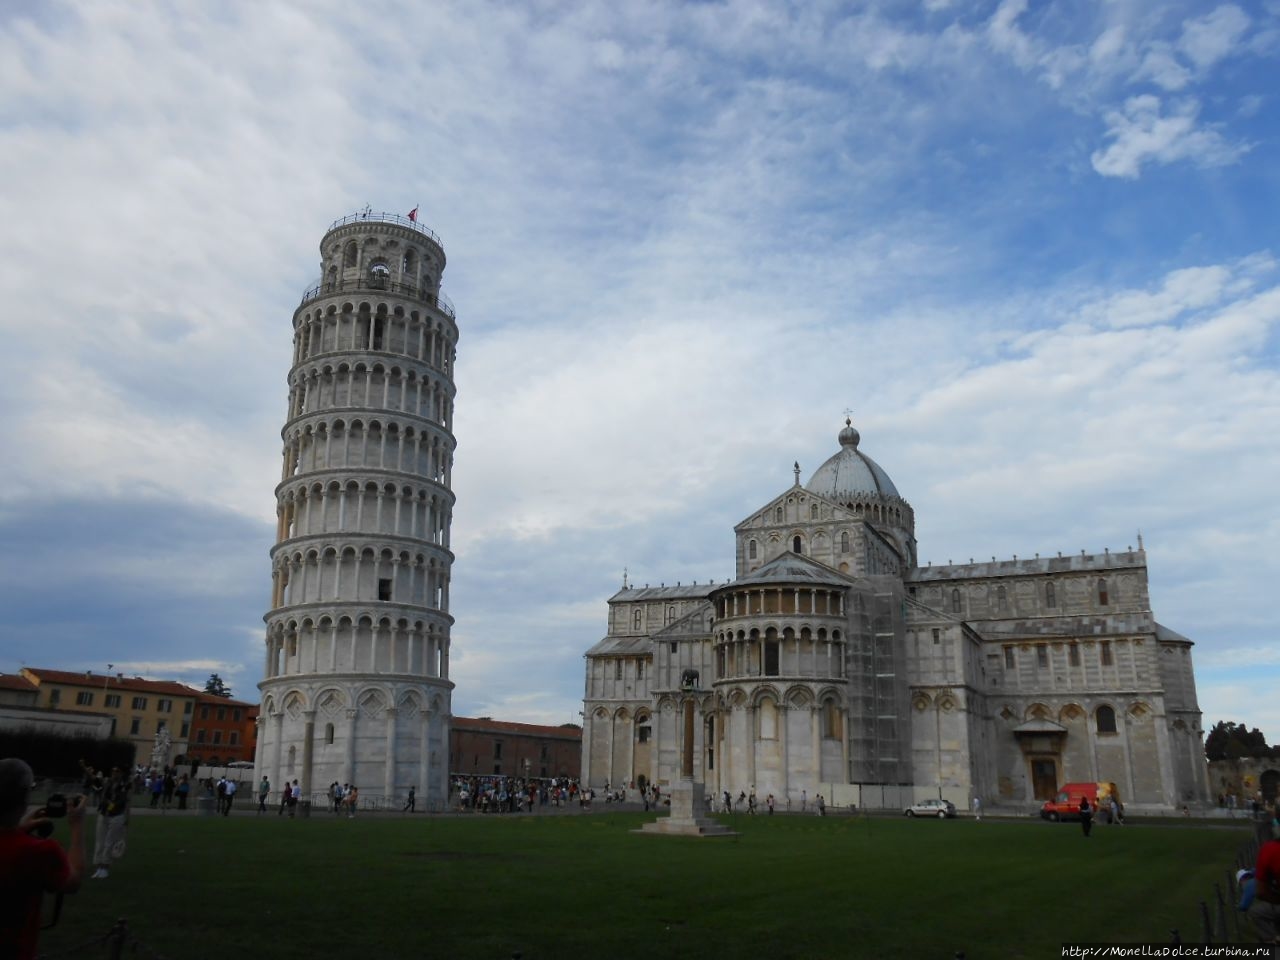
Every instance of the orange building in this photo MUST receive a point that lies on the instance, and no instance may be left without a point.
(222, 730)
(139, 709)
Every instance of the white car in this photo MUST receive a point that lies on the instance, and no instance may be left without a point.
(931, 808)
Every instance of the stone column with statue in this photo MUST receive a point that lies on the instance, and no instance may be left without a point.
(688, 816)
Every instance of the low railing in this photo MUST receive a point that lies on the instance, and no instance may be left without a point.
(326, 287)
(403, 221)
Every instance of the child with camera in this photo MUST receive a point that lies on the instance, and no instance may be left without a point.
(32, 864)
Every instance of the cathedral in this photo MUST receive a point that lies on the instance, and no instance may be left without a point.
(834, 664)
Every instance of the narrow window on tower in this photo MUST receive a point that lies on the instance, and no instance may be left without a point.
(379, 326)
(1102, 592)
(813, 512)
(778, 514)
(1073, 654)
(955, 600)
(617, 670)
(384, 589)
(1042, 656)
(636, 619)
(1010, 658)
(1105, 650)
(1002, 598)
(751, 550)
(328, 733)
(1050, 595)
(844, 542)
(796, 545)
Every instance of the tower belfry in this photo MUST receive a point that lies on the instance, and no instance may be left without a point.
(356, 685)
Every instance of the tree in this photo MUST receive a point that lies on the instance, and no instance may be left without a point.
(1232, 741)
(215, 686)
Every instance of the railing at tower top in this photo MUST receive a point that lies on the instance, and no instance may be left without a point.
(326, 287)
(366, 215)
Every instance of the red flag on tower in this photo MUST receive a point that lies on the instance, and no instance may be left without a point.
(413, 214)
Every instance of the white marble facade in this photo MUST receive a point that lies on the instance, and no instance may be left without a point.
(833, 663)
(356, 684)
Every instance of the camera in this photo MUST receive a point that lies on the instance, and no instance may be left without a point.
(55, 806)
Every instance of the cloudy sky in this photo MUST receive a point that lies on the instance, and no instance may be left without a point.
(1032, 246)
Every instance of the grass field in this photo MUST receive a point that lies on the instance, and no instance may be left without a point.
(575, 886)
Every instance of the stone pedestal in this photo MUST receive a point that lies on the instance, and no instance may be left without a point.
(688, 814)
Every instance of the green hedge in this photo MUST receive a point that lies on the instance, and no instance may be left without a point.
(58, 757)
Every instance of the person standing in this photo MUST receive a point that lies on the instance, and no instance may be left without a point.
(183, 790)
(352, 800)
(1265, 909)
(232, 786)
(264, 790)
(822, 806)
(769, 803)
(222, 793)
(412, 802)
(977, 807)
(113, 821)
(1086, 816)
(804, 800)
(30, 865)
(294, 793)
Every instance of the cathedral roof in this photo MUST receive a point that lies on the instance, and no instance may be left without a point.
(790, 567)
(1165, 635)
(850, 473)
(621, 647)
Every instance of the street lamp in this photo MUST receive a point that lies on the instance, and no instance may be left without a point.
(106, 680)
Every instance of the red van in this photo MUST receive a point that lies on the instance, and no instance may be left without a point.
(1066, 805)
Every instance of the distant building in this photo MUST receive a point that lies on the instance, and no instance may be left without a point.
(1245, 779)
(19, 711)
(484, 747)
(222, 730)
(17, 691)
(138, 709)
(835, 663)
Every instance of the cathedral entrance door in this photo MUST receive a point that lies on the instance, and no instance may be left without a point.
(1044, 778)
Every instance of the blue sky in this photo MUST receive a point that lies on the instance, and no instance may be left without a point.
(1032, 246)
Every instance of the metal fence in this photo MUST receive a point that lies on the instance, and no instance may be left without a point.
(1220, 921)
(381, 285)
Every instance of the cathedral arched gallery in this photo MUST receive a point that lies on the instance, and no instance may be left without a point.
(834, 663)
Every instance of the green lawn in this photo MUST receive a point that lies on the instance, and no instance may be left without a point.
(575, 886)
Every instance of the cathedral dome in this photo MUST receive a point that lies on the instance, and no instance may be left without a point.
(850, 473)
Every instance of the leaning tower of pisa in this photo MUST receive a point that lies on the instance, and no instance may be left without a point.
(356, 686)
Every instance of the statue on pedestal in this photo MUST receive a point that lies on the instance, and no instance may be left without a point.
(160, 752)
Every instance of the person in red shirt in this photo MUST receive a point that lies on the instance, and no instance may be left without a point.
(1265, 909)
(29, 865)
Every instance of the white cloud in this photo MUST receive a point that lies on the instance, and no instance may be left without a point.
(1142, 133)
(1214, 36)
(1161, 66)
(1182, 291)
